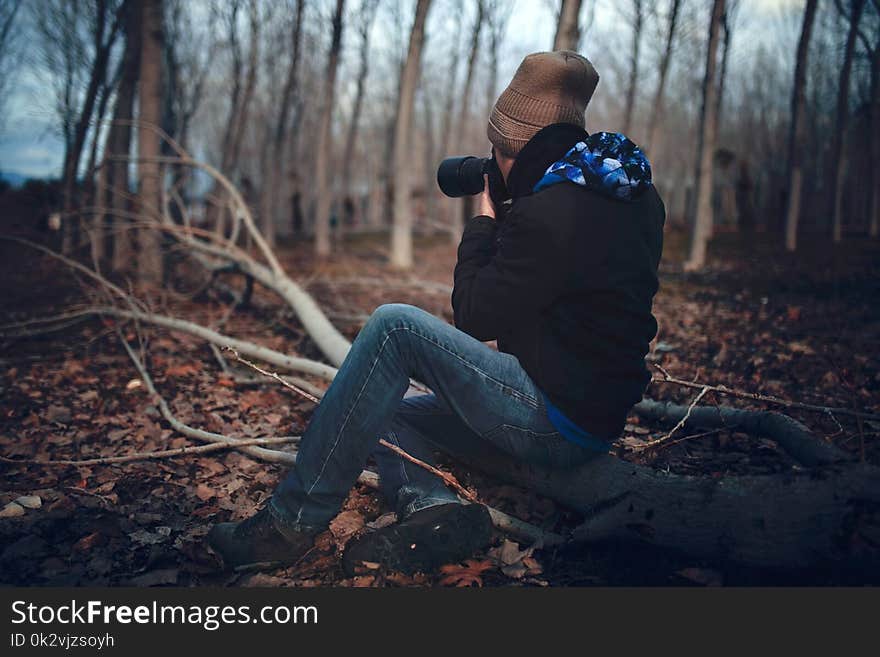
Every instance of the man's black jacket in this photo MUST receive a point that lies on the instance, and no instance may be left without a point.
(564, 282)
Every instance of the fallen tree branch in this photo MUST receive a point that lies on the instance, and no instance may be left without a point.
(253, 350)
(162, 454)
(679, 425)
(265, 354)
(792, 436)
(270, 455)
(767, 399)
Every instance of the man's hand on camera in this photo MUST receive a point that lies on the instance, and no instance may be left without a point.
(485, 207)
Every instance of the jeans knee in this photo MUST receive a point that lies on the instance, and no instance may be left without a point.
(391, 315)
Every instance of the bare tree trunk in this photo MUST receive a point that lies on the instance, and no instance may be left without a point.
(272, 182)
(430, 148)
(106, 29)
(237, 76)
(702, 230)
(323, 157)
(874, 124)
(98, 238)
(457, 222)
(119, 141)
(797, 129)
(401, 229)
(837, 155)
(726, 28)
(241, 119)
(791, 521)
(568, 31)
(368, 15)
(448, 205)
(243, 85)
(630, 102)
(497, 15)
(656, 114)
(473, 57)
(150, 112)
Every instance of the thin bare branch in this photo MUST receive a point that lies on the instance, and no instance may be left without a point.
(768, 399)
(162, 454)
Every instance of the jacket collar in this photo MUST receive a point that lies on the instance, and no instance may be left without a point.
(548, 146)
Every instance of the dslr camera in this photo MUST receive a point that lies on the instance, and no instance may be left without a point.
(463, 176)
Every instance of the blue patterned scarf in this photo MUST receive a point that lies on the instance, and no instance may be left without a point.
(606, 162)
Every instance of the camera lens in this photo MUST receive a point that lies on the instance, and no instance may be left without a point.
(461, 176)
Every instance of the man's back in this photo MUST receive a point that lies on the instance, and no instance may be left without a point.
(569, 291)
(592, 338)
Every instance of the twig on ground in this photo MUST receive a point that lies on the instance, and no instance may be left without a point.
(768, 399)
(662, 444)
(448, 478)
(680, 424)
(272, 375)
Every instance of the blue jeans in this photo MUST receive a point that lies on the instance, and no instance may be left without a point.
(479, 395)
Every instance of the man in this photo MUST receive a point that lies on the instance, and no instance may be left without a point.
(560, 269)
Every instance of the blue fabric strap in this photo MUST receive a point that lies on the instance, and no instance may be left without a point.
(571, 431)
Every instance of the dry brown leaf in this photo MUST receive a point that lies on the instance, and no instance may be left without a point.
(467, 574)
(205, 493)
(345, 525)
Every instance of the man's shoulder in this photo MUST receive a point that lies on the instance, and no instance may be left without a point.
(570, 202)
(551, 203)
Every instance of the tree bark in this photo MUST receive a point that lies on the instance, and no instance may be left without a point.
(797, 128)
(323, 158)
(658, 106)
(702, 229)
(630, 102)
(837, 155)
(150, 112)
(119, 141)
(568, 31)
(401, 230)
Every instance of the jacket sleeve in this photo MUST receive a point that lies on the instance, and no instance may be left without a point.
(496, 287)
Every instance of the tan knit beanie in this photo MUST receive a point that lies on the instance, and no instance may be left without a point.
(547, 88)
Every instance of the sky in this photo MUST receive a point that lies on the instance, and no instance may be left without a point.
(31, 146)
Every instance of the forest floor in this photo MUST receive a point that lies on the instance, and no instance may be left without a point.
(803, 328)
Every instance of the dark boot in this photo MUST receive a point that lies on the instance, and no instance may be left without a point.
(426, 539)
(257, 543)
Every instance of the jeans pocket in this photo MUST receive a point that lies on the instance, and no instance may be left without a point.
(548, 449)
